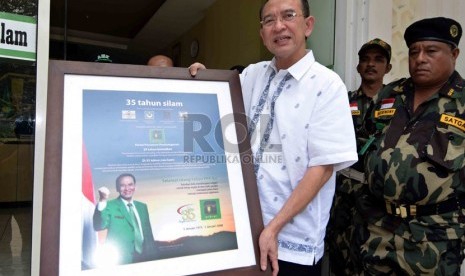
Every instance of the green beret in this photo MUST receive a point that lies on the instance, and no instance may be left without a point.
(437, 29)
(377, 43)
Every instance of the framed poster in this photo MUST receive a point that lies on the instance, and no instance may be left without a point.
(174, 146)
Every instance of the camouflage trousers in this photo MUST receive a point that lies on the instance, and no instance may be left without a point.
(382, 252)
(339, 244)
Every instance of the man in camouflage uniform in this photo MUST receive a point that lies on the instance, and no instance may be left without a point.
(415, 165)
(374, 64)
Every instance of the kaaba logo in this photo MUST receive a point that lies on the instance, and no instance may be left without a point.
(157, 136)
(454, 31)
(210, 209)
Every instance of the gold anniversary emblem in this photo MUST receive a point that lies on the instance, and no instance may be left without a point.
(454, 31)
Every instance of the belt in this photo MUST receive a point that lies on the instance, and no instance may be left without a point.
(407, 211)
(353, 174)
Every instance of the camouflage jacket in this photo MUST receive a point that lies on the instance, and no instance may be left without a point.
(359, 104)
(417, 158)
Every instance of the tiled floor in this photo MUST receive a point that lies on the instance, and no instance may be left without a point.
(15, 241)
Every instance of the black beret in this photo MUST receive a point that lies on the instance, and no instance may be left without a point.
(377, 43)
(437, 29)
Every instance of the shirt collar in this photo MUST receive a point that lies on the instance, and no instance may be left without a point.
(360, 93)
(298, 69)
(453, 88)
(126, 202)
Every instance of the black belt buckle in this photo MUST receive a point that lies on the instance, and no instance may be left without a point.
(402, 210)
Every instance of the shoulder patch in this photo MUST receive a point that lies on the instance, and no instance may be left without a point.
(385, 112)
(450, 93)
(453, 121)
(354, 109)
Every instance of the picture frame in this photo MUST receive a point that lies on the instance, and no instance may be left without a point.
(185, 140)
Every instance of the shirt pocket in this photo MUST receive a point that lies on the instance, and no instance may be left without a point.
(446, 148)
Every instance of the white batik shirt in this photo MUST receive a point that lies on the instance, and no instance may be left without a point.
(311, 125)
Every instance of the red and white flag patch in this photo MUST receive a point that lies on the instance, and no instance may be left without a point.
(387, 103)
(354, 106)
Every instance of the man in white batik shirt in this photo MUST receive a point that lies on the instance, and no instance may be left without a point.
(301, 134)
(311, 127)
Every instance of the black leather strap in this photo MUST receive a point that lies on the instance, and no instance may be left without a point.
(409, 211)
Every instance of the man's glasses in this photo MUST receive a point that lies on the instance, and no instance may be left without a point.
(286, 16)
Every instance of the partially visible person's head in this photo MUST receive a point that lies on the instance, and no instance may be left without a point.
(433, 50)
(126, 185)
(374, 60)
(160, 61)
(286, 24)
(238, 68)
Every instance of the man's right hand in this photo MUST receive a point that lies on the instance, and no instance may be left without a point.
(196, 67)
(268, 244)
(103, 194)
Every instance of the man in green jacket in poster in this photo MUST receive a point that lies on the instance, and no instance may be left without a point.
(126, 220)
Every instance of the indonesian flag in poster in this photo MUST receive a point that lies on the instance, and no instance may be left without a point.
(89, 236)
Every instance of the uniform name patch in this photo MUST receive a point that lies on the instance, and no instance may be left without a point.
(385, 112)
(356, 112)
(453, 121)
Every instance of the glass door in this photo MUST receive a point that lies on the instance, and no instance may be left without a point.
(17, 122)
(321, 41)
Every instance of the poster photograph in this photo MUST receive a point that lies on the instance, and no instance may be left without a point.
(174, 146)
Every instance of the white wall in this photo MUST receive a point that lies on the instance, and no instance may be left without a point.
(405, 12)
(358, 21)
(380, 10)
(351, 32)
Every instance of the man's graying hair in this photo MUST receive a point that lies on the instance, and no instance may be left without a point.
(305, 8)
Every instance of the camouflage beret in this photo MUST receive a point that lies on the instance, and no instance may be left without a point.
(377, 43)
(437, 29)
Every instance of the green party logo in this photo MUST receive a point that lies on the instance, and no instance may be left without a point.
(210, 209)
